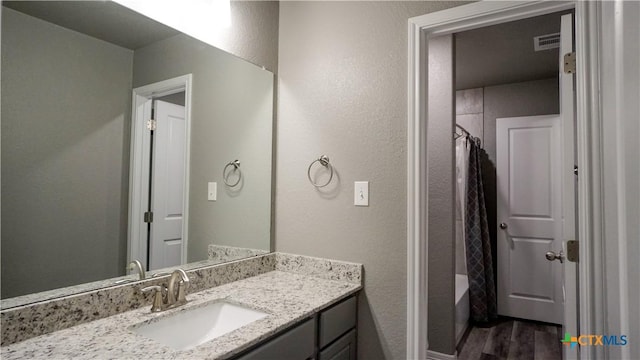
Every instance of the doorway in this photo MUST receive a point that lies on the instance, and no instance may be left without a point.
(507, 79)
(421, 116)
(507, 105)
(159, 180)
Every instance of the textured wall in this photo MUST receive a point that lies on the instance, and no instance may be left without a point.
(441, 203)
(342, 92)
(231, 119)
(65, 109)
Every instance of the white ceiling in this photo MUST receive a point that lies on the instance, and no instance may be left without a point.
(504, 53)
(104, 20)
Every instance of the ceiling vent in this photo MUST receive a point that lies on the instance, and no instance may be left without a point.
(546, 42)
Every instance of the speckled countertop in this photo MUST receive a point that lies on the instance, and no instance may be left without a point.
(287, 297)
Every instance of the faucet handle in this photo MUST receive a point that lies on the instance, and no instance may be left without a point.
(157, 299)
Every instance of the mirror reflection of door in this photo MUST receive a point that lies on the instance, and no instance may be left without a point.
(166, 199)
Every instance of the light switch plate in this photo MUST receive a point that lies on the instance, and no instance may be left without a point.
(361, 193)
(212, 191)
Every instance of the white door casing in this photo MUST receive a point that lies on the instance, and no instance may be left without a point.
(165, 240)
(139, 179)
(529, 202)
(567, 125)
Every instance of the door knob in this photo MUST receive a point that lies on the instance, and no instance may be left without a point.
(503, 226)
(550, 255)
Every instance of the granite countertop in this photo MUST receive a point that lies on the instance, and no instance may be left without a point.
(287, 297)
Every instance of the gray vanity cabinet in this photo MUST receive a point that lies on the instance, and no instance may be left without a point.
(337, 331)
(343, 349)
(329, 335)
(297, 343)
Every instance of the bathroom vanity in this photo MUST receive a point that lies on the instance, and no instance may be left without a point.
(309, 307)
(332, 331)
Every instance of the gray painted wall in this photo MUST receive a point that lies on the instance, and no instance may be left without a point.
(342, 92)
(65, 106)
(232, 108)
(441, 199)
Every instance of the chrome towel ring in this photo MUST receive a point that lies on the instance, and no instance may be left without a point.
(225, 175)
(324, 161)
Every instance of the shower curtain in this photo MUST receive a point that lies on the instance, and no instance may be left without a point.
(462, 160)
(482, 289)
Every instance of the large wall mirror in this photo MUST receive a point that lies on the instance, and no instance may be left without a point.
(124, 139)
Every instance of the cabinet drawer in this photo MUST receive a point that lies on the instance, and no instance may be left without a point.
(295, 344)
(343, 349)
(337, 320)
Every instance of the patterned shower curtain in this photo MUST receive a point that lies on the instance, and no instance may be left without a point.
(482, 289)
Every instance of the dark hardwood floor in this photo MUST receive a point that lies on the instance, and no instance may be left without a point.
(509, 338)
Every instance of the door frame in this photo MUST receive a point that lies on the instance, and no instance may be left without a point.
(139, 170)
(588, 31)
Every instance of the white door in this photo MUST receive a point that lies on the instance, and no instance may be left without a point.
(167, 194)
(529, 205)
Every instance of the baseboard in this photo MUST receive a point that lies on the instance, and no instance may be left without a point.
(432, 355)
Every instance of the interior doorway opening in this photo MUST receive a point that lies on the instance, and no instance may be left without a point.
(508, 98)
(508, 181)
(158, 211)
(424, 29)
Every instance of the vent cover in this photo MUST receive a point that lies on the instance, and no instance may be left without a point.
(546, 42)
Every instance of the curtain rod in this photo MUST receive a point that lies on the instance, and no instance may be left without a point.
(463, 129)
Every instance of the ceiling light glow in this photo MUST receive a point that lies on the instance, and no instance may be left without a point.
(202, 19)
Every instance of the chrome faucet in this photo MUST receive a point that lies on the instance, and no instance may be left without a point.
(166, 297)
(182, 279)
(136, 265)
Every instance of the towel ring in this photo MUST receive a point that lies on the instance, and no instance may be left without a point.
(225, 176)
(324, 161)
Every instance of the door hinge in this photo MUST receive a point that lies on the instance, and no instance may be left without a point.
(573, 248)
(152, 124)
(148, 217)
(570, 63)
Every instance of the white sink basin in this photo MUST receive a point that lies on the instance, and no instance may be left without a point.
(192, 327)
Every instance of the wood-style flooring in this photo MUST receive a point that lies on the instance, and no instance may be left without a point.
(509, 338)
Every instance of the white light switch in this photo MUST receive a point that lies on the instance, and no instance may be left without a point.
(361, 193)
(212, 191)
